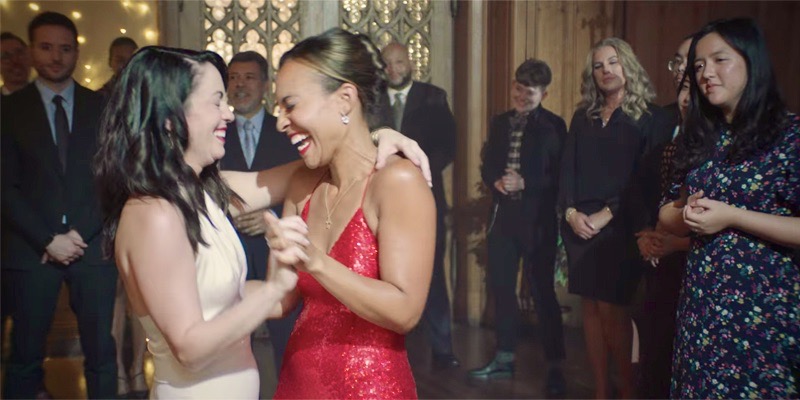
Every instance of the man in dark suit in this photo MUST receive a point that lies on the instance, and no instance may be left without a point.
(520, 165)
(420, 111)
(253, 143)
(50, 216)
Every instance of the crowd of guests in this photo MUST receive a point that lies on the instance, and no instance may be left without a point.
(173, 198)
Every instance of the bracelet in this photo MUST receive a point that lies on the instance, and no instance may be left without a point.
(569, 213)
(375, 136)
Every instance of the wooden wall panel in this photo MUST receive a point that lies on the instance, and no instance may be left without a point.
(655, 29)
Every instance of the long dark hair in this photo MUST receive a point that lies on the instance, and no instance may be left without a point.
(759, 115)
(138, 156)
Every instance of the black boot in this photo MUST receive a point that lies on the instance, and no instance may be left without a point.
(501, 367)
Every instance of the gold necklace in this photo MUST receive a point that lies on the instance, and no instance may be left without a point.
(339, 197)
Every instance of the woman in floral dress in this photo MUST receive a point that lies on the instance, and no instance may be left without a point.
(738, 163)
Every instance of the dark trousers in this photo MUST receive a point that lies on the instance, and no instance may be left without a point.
(91, 297)
(505, 251)
(437, 307)
(658, 328)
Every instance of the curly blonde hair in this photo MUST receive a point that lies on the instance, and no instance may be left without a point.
(638, 89)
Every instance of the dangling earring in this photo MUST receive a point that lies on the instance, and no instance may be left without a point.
(345, 119)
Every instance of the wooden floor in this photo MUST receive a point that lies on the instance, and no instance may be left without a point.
(473, 346)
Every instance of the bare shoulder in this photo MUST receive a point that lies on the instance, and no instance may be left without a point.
(150, 217)
(399, 171)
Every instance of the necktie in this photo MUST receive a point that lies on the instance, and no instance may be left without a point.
(397, 110)
(62, 131)
(249, 142)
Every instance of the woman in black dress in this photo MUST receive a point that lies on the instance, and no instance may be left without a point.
(615, 124)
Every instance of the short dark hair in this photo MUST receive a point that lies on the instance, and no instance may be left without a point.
(10, 36)
(252, 56)
(51, 18)
(123, 41)
(533, 72)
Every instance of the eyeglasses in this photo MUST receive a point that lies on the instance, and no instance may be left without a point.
(675, 63)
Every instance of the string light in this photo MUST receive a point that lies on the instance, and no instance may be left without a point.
(33, 6)
(144, 8)
(150, 35)
(88, 80)
(76, 15)
(87, 66)
(123, 31)
(81, 39)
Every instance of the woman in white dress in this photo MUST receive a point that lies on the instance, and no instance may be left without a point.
(163, 197)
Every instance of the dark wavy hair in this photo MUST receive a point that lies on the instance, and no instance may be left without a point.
(759, 116)
(341, 56)
(138, 156)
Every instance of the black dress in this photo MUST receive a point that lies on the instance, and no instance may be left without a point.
(598, 169)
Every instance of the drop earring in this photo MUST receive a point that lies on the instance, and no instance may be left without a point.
(345, 119)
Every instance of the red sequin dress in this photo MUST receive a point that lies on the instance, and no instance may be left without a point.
(332, 352)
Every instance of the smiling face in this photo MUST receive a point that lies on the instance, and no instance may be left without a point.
(607, 70)
(207, 116)
(54, 51)
(308, 114)
(721, 73)
(246, 87)
(398, 65)
(526, 98)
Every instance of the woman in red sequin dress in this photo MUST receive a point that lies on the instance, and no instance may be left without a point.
(361, 239)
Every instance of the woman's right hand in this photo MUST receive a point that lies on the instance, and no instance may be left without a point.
(286, 238)
(582, 225)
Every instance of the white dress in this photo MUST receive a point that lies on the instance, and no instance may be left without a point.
(221, 271)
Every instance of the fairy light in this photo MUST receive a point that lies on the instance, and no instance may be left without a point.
(87, 66)
(33, 6)
(123, 31)
(76, 14)
(81, 39)
(150, 35)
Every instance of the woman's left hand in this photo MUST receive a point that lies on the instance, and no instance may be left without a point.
(707, 217)
(393, 142)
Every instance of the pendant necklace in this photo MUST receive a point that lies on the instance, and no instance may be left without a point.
(339, 197)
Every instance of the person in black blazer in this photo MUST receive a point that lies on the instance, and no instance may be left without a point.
(51, 221)
(520, 165)
(247, 85)
(422, 114)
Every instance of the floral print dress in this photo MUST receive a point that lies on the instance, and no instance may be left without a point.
(738, 333)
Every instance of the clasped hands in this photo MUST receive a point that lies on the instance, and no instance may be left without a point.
(588, 226)
(655, 244)
(288, 242)
(65, 248)
(511, 182)
(705, 216)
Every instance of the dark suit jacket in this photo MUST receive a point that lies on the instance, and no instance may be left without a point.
(428, 120)
(273, 149)
(534, 216)
(35, 192)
